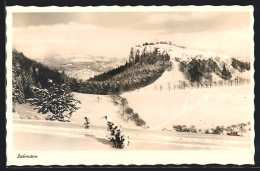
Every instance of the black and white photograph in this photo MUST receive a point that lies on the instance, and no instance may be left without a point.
(130, 85)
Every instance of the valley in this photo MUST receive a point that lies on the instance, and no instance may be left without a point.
(82, 67)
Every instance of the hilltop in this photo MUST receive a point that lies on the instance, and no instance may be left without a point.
(192, 68)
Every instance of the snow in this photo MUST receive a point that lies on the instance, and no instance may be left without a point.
(174, 77)
(183, 53)
(204, 108)
(95, 107)
(160, 109)
(187, 54)
(31, 135)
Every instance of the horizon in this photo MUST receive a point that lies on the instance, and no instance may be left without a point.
(112, 34)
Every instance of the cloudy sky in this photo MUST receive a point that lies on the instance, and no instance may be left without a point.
(113, 34)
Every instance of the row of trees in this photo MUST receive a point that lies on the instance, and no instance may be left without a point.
(182, 85)
(127, 112)
(233, 130)
(161, 42)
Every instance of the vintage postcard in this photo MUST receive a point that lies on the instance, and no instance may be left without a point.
(130, 85)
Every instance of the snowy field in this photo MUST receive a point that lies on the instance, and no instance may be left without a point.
(48, 136)
(200, 107)
(203, 108)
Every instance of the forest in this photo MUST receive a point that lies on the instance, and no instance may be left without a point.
(27, 73)
(136, 73)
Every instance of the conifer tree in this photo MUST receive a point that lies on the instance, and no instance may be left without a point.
(117, 137)
(225, 73)
(57, 100)
(131, 56)
(86, 124)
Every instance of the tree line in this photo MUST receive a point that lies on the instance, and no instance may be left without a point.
(233, 130)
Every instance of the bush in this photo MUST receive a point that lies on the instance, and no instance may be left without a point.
(135, 116)
(218, 130)
(129, 111)
(193, 129)
(184, 128)
(140, 122)
(208, 131)
(178, 128)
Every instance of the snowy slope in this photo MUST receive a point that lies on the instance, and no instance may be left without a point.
(204, 108)
(179, 54)
(161, 104)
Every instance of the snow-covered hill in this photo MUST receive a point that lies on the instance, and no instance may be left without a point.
(163, 103)
(180, 54)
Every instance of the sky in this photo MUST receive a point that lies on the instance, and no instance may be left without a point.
(40, 35)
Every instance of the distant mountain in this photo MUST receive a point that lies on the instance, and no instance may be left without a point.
(163, 64)
(82, 66)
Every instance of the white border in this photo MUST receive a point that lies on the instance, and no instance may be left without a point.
(124, 157)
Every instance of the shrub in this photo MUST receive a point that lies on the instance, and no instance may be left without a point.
(86, 124)
(140, 122)
(129, 111)
(178, 128)
(193, 129)
(218, 130)
(135, 116)
(207, 131)
(184, 128)
(241, 128)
